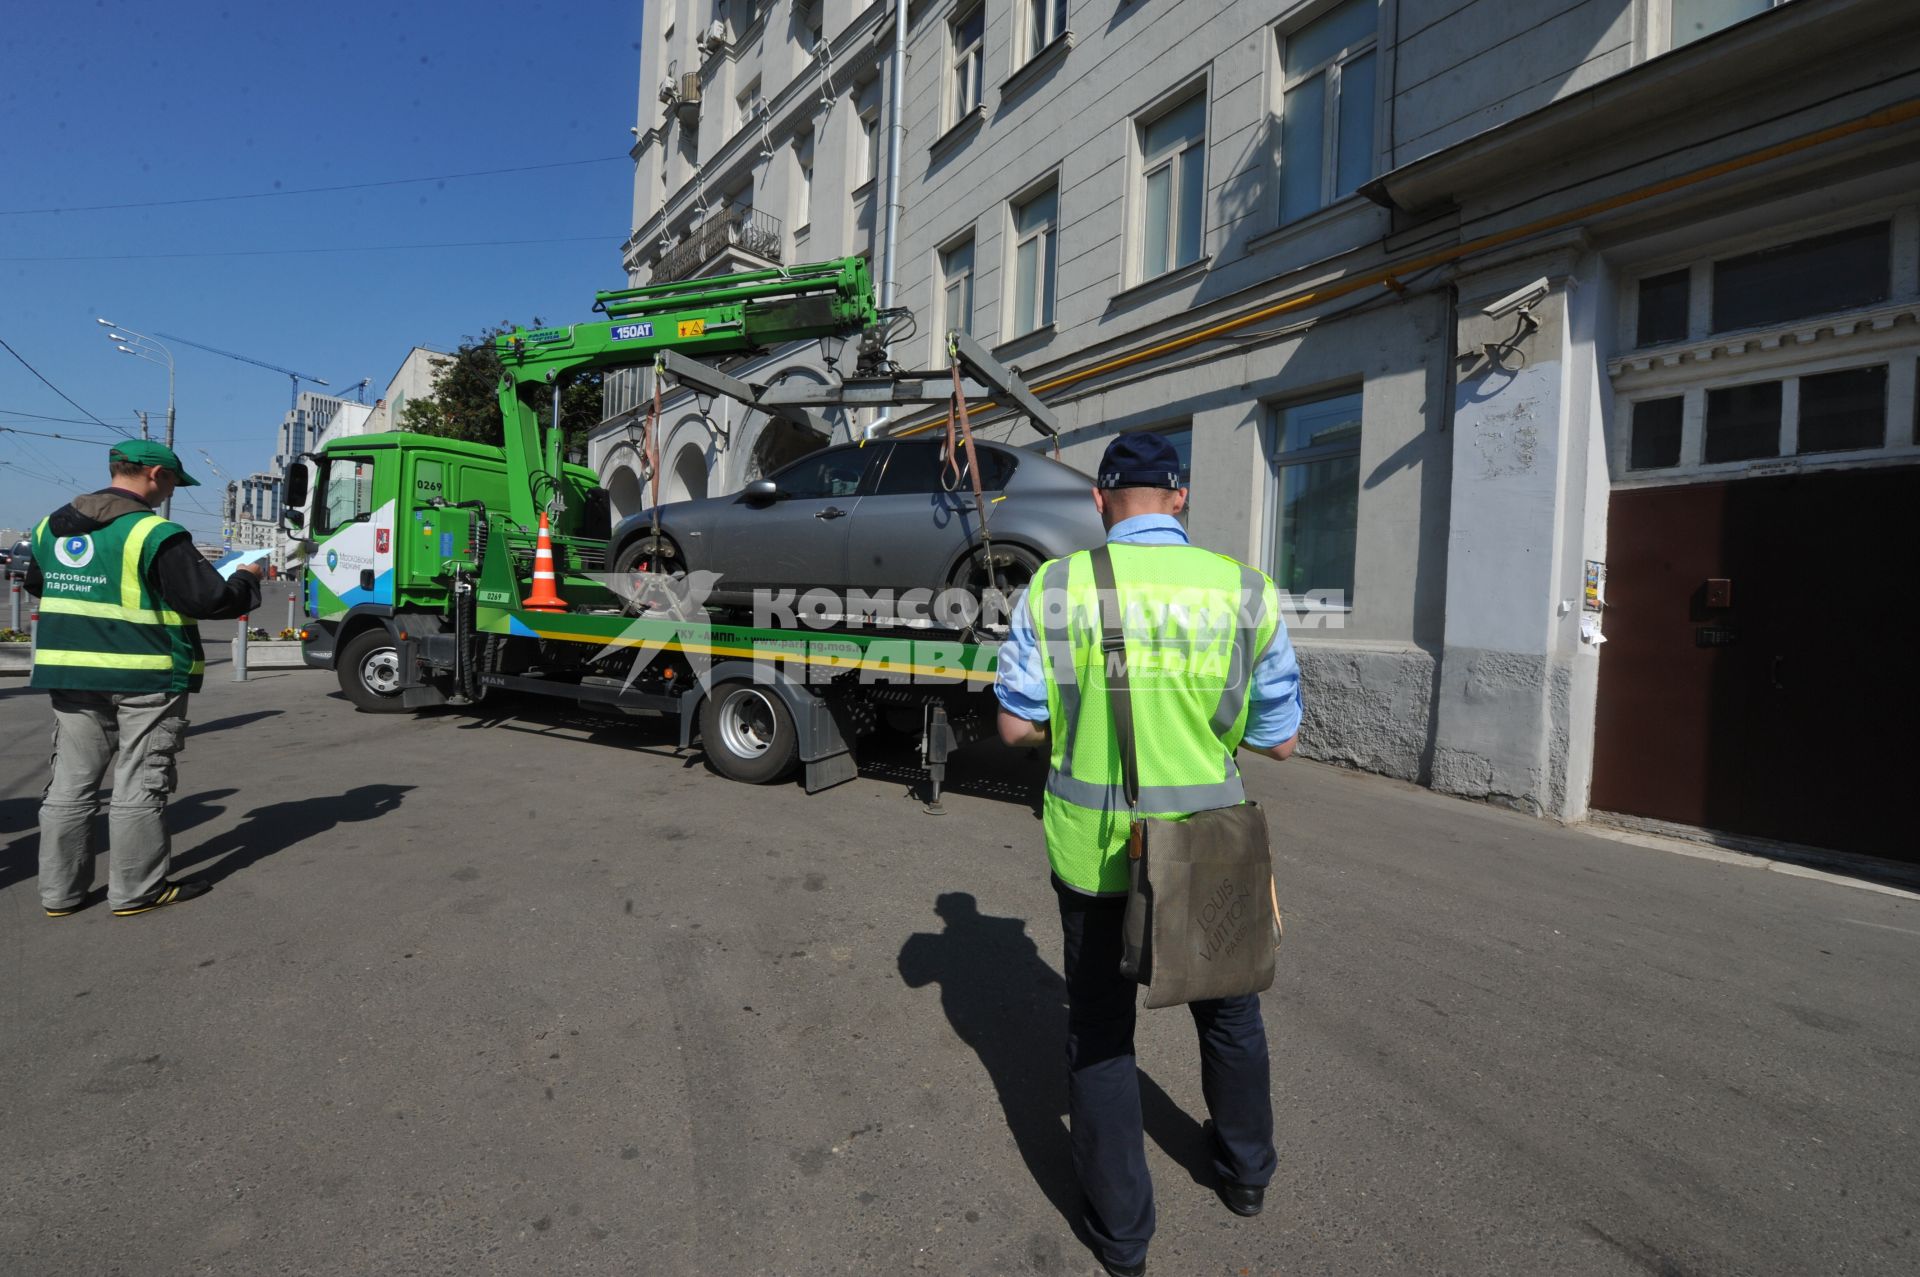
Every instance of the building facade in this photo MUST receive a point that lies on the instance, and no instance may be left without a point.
(1551, 357)
(414, 379)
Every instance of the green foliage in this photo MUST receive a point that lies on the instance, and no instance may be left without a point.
(14, 636)
(465, 403)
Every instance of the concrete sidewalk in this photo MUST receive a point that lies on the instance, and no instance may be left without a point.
(490, 994)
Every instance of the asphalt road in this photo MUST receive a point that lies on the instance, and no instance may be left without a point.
(485, 995)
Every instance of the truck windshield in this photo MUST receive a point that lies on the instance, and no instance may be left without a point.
(346, 493)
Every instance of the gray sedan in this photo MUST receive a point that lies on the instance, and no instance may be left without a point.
(888, 515)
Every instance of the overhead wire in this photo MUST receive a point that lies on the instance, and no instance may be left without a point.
(56, 390)
(291, 252)
(308, 190)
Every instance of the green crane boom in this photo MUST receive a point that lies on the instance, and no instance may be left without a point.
(722, 315)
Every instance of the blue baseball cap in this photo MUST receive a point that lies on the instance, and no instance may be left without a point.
(1140, 460)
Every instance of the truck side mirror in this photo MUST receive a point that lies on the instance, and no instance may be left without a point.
(296, 489)
(762, 490)
(294, 520)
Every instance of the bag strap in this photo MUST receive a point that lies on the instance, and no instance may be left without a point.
(1113, 652)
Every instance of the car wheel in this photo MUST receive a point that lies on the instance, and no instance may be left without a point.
(996, 583)
(748, 733)
(369, 669)
(650, 554)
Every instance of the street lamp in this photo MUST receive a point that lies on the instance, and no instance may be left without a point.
(138, 344)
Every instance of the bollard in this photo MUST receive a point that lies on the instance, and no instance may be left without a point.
(13, 622)
(240, 652)
(291, 596)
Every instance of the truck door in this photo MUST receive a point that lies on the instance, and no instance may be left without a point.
(352, 560)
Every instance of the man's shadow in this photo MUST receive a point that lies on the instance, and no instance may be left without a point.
(268, 830)
(1005, 1002)
(20, 859)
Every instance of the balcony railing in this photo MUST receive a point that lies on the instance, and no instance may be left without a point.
(747, 229)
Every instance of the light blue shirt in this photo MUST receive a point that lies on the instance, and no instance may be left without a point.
(1272, 717)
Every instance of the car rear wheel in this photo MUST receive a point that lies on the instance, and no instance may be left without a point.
(748, 733)
(996, 581)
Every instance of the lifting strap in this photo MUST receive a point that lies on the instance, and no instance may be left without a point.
(957, 408)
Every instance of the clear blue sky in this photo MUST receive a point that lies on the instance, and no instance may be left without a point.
(111, 103)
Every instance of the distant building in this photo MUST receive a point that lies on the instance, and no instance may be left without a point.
(250, 513)
(418, 374)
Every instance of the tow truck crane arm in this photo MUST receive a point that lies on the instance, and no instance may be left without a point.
(724, 315)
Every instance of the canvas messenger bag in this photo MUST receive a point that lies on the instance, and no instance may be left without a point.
(1203, 915)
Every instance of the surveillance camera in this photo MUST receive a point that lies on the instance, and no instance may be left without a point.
(1532, 295)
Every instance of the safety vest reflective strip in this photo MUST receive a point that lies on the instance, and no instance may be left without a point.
(110, 612)
(112, 660)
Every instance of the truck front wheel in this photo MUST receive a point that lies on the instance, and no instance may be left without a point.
(748, 733)
(369, 668)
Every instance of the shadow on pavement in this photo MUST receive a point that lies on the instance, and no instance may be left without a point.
(980, 770)
(232, 720)
(19, 859)
(1010, 1007)
(266, 831)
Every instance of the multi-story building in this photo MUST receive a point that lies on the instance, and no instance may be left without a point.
(415, 379)
(250, 513)
(1554, 357)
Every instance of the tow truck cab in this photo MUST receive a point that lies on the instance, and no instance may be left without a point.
(383, 519)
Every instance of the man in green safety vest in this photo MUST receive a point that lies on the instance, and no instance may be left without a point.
(1196, 624)
(117, 647)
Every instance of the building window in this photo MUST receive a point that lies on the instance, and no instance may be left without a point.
(1743, 422)
(1326, 112)
(1316, 496)
(1173, 150)
(816, 23)
(1663, 307)
(967, 35)
(747, 106)
(956, 283)
(1041, 23)
(869, 148)
(1841, 411)
(1654, 442)
(802, 188)
(1693, 19)
(1036, 225)
(1813, 276)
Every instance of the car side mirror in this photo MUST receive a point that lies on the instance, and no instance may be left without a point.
(761, 490)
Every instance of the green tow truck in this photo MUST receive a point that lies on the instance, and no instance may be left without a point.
(420, 551)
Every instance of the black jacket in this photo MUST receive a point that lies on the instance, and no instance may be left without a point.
(179, 574)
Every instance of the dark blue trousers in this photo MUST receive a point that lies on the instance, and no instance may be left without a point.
(1103, 1084)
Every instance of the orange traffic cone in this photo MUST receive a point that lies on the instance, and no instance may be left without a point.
(545, 598)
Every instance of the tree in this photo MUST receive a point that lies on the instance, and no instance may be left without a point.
(465, 403)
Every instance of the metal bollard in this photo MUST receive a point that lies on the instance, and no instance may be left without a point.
(291, 596)
(240, 652)
(13, 622)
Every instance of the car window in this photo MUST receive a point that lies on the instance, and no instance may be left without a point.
(918, 466)
(348, 495)
(833, 473)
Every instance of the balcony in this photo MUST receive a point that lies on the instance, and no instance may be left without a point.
(748, 238)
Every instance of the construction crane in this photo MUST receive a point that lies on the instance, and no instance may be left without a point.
(297, 377)
(358, 390)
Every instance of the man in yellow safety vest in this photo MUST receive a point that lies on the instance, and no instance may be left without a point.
(117, 648)
(1197, 623)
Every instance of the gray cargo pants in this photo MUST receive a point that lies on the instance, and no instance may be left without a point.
(147, 730)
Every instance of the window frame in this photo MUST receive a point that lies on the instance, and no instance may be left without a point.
(1050, 16)
(1049, 262)
(323, 514)
(1172, 160)
(966, 66)
(947, 278)
(1660, 18)
(1331, 97)
(1279, 461)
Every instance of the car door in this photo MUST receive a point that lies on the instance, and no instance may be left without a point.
(919, 519)
(799, 538)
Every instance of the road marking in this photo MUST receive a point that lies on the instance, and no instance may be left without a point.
(1881, 926)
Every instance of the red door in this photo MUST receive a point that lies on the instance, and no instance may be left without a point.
(1760, 675)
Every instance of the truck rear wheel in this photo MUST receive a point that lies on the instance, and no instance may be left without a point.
(748, 733)
(369, 669)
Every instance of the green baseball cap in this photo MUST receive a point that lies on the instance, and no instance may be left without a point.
(146, 452)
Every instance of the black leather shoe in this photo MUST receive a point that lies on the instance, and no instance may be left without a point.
(1124, 1270)
(1243, 1199)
